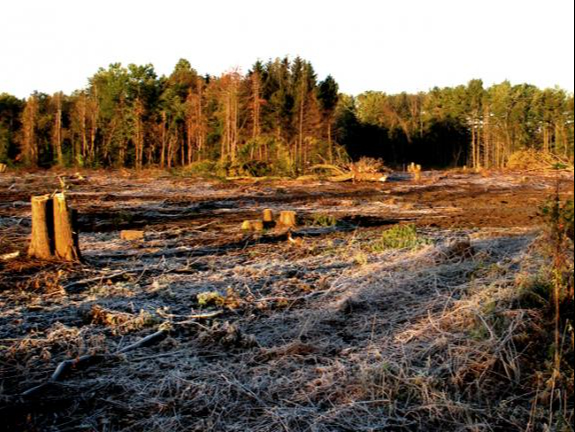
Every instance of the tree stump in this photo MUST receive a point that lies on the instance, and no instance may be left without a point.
(65, 230)
(253, 226)
(258, 226)
(3, 168)
(288, 219)
(42, 242)
(268, 218)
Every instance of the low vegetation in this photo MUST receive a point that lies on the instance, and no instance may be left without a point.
(400, 237)
(396, 306)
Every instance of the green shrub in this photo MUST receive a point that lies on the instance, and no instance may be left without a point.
(559, 216)
(323, 220)
(400, 237)
(201, 168)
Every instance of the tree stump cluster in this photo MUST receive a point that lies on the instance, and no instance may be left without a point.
(54, 230)
(415, 170)
(286, 220)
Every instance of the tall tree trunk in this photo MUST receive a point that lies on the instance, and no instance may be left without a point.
(256, 106)
(29, 142)
(57, 129)
(163, 138)
(474, 145)
(330, 139)
(487, 138)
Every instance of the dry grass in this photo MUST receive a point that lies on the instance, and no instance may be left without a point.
(324, 336)
(537, 161)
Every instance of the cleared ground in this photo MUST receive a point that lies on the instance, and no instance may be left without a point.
(327, 332)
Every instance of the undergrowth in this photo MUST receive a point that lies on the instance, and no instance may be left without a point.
(399, 237)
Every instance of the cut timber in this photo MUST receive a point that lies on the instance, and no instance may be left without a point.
(3, 168)
(288, 219)
(42, 242)
(370, 177)
(247, 225)
(341, 178)
(65, 230)
(131, 235)
(10, 256)
(360, 177)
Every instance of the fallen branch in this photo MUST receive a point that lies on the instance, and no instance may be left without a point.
(81, 362)
(101, 278)
(145, 342)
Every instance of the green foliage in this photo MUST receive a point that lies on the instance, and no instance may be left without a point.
(323, 220)
(211, 298)
(279, 120)
(559, 216)
(199, 169)
(400, 237)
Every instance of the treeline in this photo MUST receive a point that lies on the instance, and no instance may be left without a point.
(466, 125)
(278, 118)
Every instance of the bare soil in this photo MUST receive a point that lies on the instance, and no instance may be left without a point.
(317, 330)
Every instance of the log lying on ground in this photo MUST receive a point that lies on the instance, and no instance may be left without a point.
(84, 361)
(67, 366)
(54, 230)
(370, 177)
(132, 235)
(340, 175)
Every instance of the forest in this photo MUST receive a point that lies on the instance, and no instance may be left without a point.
(277, 119)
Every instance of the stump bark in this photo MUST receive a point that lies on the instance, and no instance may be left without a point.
(258, 226)
(65, 230)
(42, 243)
(54, 230)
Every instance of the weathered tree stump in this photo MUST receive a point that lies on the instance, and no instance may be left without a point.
(288, 219)
(253, 226)
(42, 242)
(258, 226)
(268, 216)
(416, 171)
(65, 230)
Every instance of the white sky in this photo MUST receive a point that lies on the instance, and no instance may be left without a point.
(387, 45)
